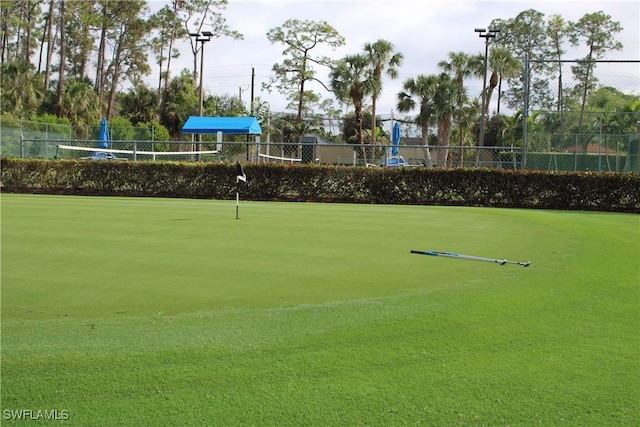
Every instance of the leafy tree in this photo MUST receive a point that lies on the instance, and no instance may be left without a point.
(82, 19)
(204, 15)
(130, 46)
(57, 105)
(182, 102)
(224, 106)
(557, 31)
(8, 29)
(618, 114)
(382, 59)
(106, 21)
(154, 131)
(121, 129)
(18, 21)
(526, 35)
(330, 120)
(597, 31)
(168, 28)
(300, 38)
(51, 119)
(48, 44)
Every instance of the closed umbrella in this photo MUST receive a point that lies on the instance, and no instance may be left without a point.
(395, 139)
(104, 134)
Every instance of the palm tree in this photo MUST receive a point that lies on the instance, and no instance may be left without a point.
(352, 80)
(445, 101)
(460, 66)
(22, 90)
(381, 58)
(466, 116)
(419, 92)
(140, 104)
(80, 105)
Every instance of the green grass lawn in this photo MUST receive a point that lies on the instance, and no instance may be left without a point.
(130, 311)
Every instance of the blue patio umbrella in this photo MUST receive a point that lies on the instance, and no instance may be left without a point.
(395, 139)
(104, 134)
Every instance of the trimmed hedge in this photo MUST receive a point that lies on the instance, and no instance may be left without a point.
(614, 192)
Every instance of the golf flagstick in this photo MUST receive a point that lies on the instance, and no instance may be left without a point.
(477, 258)
(240, 176)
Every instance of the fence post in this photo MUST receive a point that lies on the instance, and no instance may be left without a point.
(525, 111)
(600, 144)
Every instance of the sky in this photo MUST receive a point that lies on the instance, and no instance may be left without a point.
(423, 31)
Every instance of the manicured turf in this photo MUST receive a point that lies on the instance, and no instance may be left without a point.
(122, 311)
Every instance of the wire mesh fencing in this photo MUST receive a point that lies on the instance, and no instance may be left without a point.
(590, 115)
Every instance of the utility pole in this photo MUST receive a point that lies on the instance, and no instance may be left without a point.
(486, 35)
(202, 38)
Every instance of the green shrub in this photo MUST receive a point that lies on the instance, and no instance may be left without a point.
(616, 192)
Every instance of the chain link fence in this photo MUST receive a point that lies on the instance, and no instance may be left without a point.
(588, 123)
(592, 122)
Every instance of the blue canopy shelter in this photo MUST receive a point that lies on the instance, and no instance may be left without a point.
(226, 125)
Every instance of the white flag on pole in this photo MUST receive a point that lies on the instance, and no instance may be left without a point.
(240, 176)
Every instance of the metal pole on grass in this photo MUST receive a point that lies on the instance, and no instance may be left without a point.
(477, 258)
(240, 176)
(237, 202)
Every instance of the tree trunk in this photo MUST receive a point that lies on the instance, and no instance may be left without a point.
(359, 120)
(163, 94)
(303, 78)
(4, 20)
(50, 42)
(27, 43)
(116, 72)
(373, 119)
(101, 54)
(584, 92)
(424, 128)
(499, 93)
(493, 82)
(63, 60)
(86, 33)
(444, 135)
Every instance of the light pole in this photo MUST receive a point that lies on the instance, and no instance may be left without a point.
(486, 35)
(202, 38)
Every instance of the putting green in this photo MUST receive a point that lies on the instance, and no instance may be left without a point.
(138, 311)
